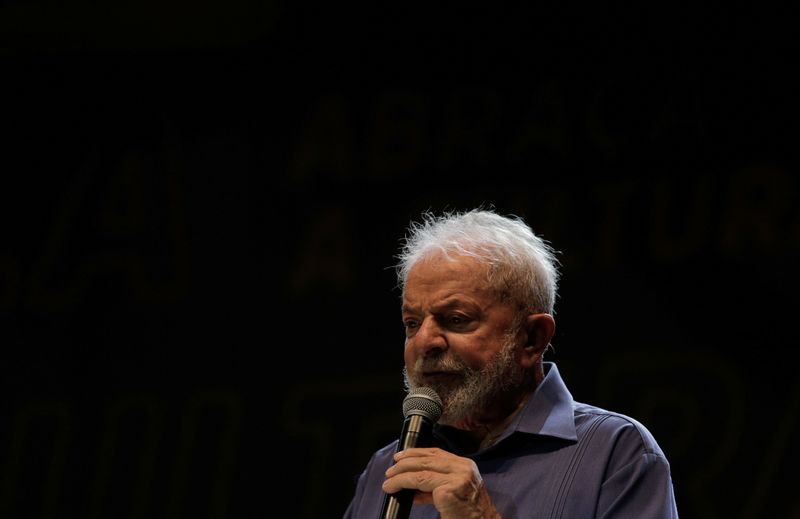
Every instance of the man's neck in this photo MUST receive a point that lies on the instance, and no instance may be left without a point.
(476, 434)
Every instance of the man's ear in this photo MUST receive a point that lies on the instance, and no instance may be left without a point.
(539, 330)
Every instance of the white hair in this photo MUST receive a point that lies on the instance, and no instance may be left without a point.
(522, 266)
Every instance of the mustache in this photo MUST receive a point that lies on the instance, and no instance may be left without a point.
(440, 363)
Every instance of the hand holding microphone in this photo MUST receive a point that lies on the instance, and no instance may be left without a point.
(461, 492)
(422, 408)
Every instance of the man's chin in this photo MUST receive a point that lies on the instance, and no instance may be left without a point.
(445, 392)
(442, 383)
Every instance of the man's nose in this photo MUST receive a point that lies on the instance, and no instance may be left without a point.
(430, 338)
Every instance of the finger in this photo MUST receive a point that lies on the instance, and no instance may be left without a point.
(414, 452)
(423, 481)
(440, 461)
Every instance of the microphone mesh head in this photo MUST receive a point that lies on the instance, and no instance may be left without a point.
(424, 401)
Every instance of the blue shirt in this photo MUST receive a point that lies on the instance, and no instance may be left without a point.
(557, 459)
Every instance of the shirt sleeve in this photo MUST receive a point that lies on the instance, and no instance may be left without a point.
(640, 484)
(352, 509)
(368, 495)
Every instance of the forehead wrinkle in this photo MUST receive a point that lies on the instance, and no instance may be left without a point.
(450, 302)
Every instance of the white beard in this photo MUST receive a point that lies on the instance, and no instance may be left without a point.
(475, 391)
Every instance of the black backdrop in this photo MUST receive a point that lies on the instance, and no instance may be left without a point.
(201, 204)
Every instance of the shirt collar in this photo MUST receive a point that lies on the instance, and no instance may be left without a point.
(550, 411)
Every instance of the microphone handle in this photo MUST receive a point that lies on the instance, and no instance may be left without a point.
(414, 434)
(398, 505)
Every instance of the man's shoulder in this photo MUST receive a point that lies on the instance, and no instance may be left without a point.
(596, 422)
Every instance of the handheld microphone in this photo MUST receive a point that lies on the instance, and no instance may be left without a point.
(422, 408)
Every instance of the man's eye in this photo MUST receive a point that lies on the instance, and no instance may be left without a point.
(410, 323)
(457, 319)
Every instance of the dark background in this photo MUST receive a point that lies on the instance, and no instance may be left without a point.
(201, 203)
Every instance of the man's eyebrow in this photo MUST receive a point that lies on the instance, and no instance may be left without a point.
(449, 305)
(439, 307)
